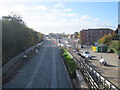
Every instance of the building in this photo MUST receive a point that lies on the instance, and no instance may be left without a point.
(117, 31)
(70, 36)
(91, 36)
(116, 36)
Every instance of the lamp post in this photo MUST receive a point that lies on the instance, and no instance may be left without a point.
(88, 43)
(101, 49)
(87, 47)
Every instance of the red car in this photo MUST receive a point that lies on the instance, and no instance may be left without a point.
(118, 56)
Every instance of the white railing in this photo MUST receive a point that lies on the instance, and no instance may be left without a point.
(93, 78)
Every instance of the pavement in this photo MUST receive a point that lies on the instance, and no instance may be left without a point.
(45, 70)
(111, 70)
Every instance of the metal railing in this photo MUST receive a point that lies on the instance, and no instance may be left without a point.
(94, 79)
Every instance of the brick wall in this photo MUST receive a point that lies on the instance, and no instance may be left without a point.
(94, 34)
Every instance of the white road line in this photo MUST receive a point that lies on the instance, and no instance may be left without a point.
(54, 74)
(31, 81)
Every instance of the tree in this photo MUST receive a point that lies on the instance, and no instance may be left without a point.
(106, 39)
(76, 34)
(16, 36)
(111, 44)
(115, 46)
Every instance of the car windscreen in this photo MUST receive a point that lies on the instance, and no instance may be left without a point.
(87, 53)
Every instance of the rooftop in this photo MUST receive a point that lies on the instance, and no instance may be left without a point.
(97, 29)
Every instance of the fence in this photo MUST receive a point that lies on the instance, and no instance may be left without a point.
(94, 79)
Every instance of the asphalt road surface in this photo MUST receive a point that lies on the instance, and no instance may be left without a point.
(45, 70)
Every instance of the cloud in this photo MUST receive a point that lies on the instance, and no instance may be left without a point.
(54, 10)
(20, 8)
(17, 9)
(50, 16)
(63, 20)
(40, 7)
(66, 10)
(55, 19)
(85, 17)
(58, 5)
(72, 14)
(52, 23)
(97, 19)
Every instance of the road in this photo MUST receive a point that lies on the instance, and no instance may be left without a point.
(45, 70)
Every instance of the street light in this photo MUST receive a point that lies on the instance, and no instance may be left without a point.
(101, 49)
(87, 47)
(88, 43)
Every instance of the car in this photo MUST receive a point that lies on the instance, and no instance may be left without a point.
(74, 50)
(60, 45)
(77, 50)
(69, 46)
(87, 55)
(103, 62)
(82, 46)
(118, 56)
(66, 42)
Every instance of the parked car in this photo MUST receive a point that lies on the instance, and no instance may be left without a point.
(103, 62)
(87, 55)
(74, 50)
(82, 46)
(69, 46)
(61, 45)
(66, 42)
(119, 56)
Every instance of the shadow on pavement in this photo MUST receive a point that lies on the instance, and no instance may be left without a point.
(111, 65)
(94, 59)
(93, 56)
(97, 68)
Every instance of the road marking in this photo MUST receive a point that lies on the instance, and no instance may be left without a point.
(32, 78)
(54, 74)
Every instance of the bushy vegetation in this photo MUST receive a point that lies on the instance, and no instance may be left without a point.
(113, 45)
(16, 36)
(70, 64)
(106, 39)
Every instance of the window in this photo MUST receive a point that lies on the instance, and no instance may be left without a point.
(100, 31)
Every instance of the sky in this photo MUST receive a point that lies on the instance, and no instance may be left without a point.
(63, 17)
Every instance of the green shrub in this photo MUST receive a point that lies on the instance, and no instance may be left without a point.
(70, 64)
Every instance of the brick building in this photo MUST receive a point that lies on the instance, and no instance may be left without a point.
(91, 36)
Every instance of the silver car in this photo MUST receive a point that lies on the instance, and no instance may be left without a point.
(87, 55)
